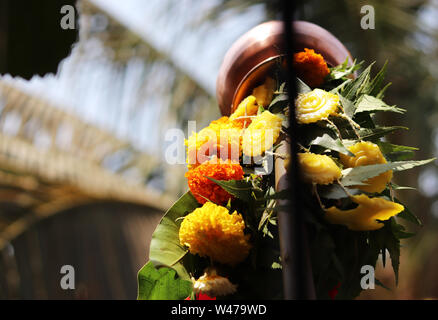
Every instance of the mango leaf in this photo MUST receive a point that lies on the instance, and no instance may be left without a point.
(328, 142)
(380, 284)
(279, 103)
(347, 105)
(165, 249)
(353, 89)
(371, 104)
(343, 70)
(355, 176)
(407, 215)
(241, 189)
(302, 87)
(335, 192)
(395, 152)
(397, 187)
(375, 86)
(161, 284)
(385, 239)
(381, 93)
(378, 132)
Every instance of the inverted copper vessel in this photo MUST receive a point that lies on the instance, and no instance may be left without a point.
(254, 54)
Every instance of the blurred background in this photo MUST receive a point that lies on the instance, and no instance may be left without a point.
(83, 180)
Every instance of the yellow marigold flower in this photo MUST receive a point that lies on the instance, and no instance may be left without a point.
(241, 117)
(318, 168)
(265, 92)
(368, 153)
(364, 216)
(310, 67)
(211, 231)
(213, 285)
(316, 105)
(221, 138)
(261, 134)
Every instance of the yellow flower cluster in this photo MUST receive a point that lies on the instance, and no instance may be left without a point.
(244, 129)
(261, 134)
(221, 138)
(317, 168)
(316, 105)
(364, 217)
(211, 231)
(248, 108)
(265, 92)
(367, 153)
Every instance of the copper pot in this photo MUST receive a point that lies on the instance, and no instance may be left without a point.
(253, 55)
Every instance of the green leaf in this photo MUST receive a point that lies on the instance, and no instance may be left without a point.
(371, 104)
(393, 247)
(379, 283)
(335, 192)
(385, 239)
(165, 249)
(328, 142)
(397, 187)
(381, 93)
(407, 215)
(353, 89)
(302, 87)
(161, 284)
(279, 103)
(378, 132)
(355, 176)
(347, 105)
(343, 70)
(241, 189)
(375, 86)
(395, 152)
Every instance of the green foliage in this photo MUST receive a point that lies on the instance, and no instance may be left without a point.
(356, 176)
(337, 253)
(161, 284)
(241, 189)
(330, 143)
(165, 249)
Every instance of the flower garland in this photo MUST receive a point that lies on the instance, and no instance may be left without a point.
(220, 239)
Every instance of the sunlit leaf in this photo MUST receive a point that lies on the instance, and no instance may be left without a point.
(371, 104)
(241, 189)
(356, 176)
(165, 249)
(161, 284)
(328, 142)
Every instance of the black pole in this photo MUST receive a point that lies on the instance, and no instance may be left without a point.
(297, 271)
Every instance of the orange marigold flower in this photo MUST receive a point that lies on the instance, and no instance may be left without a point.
(203, 188)
(310, 67)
